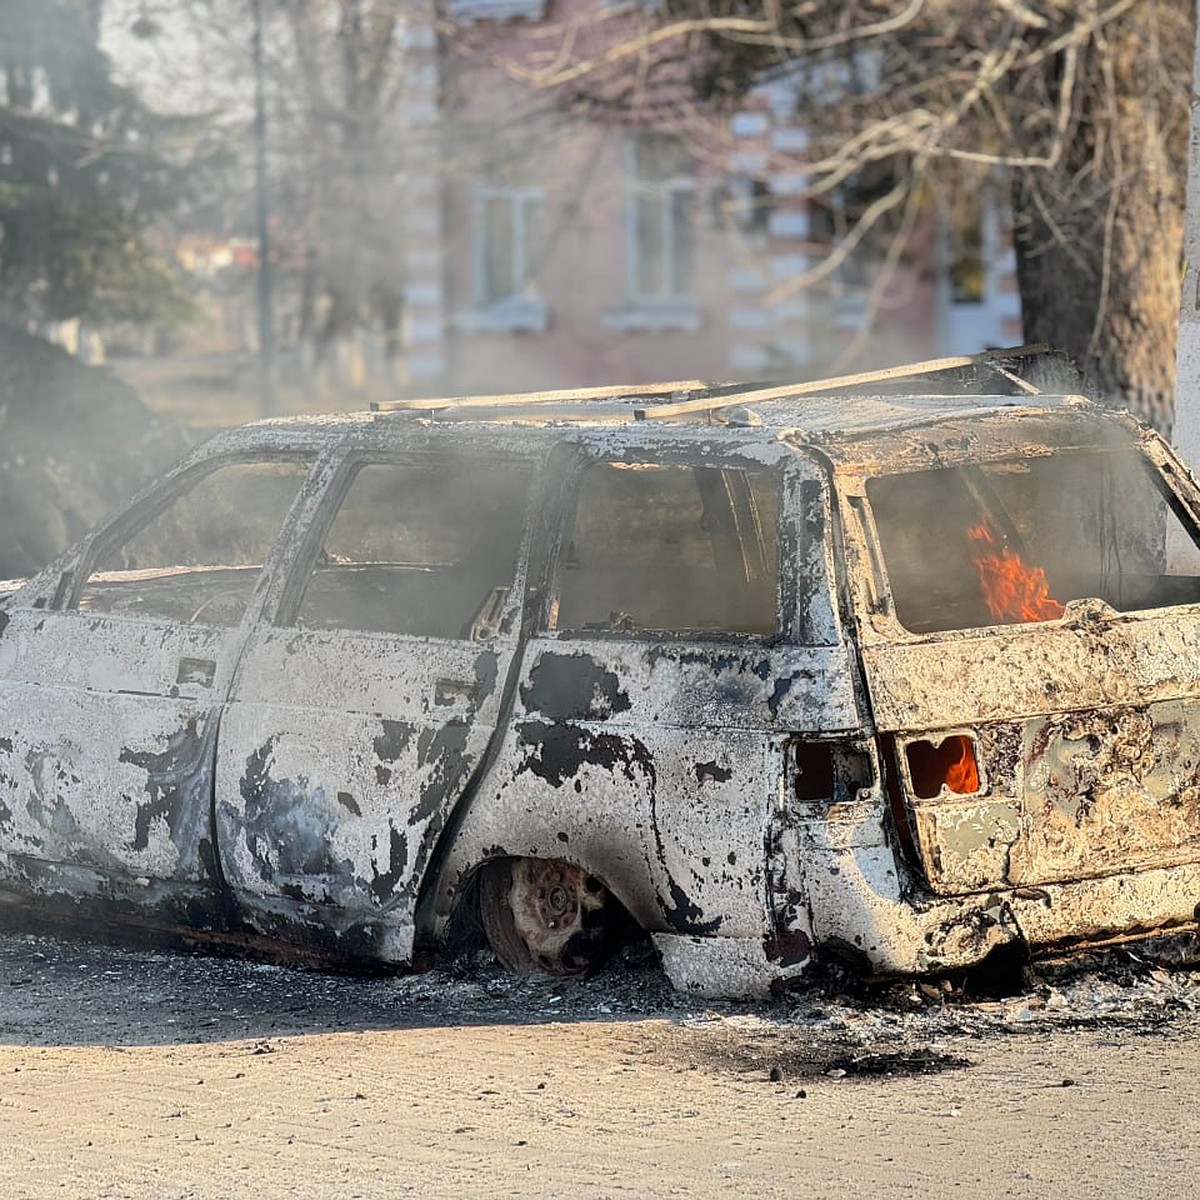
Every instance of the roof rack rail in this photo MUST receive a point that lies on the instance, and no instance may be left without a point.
(622, 391)
(687, 397)
(988, 358)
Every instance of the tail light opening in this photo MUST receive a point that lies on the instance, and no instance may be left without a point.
(952, 763)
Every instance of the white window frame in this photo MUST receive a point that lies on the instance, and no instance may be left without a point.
(522, 309)
(671, 308)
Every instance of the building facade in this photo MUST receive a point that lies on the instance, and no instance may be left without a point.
(551, 244)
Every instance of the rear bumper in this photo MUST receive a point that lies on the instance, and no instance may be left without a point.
(861, 904)
(885, 933)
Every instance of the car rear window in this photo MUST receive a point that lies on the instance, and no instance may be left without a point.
(1016, 541)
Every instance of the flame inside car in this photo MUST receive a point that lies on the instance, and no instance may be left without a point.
(1012, 590)
(962, 776)
(951, 762)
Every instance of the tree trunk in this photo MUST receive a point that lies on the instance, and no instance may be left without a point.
(1099, 238)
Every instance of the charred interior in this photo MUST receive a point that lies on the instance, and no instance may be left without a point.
(1019, 540)
(419, 548)
(672, 549)
(196, 555)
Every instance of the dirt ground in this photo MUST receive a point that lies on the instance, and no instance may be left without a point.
(148, 1073)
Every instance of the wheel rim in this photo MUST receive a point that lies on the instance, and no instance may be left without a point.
(544, 916)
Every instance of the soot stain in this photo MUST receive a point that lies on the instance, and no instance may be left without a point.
(445, 749)
(710, 772)
(573, 687)
(556, 753)
(171, 780)
(389, 746)
(289, 824)
(487, 671)
(384, 883)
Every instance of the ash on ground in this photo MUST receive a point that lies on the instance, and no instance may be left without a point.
(60, 990)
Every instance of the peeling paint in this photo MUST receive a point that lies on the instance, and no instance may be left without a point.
(711, 771)
(166, 773)
(339, 788)
(573, 688)
(289, 826)
(389, 746)
(556, 753)
(384, 883)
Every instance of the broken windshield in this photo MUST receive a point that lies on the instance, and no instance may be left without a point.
(1017, 541)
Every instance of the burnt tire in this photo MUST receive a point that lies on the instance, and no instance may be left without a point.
(545, 916)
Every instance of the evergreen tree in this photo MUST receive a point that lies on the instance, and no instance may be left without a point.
(84, 175)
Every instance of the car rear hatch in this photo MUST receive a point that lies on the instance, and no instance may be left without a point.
(1033, 659)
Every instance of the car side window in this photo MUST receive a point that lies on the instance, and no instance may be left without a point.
(197, 560)
(423, 549)
(672, 549)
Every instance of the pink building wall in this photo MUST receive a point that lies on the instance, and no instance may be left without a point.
(747, 319)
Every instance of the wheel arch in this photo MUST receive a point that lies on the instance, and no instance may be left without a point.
(628, 883)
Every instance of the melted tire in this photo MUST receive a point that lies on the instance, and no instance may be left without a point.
(544, 916)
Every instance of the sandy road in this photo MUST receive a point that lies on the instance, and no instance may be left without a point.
(154, 1075)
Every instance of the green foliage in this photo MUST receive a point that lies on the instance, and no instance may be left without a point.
(85, 172)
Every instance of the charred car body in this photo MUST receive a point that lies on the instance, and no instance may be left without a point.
(904, 679)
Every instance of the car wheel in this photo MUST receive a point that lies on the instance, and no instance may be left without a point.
(544, 916)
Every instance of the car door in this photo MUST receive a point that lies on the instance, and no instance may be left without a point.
(109, 702)
(673, 663)
(358, 718)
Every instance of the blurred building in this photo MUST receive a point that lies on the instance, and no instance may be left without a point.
(554, 238)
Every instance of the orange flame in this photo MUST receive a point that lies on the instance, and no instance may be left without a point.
(963, 776)
(1013, 591)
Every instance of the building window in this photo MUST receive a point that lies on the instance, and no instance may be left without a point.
(507, 258)
(832, 218)
(496, 10)
(660, 237)
(508, 222)
(662, 241)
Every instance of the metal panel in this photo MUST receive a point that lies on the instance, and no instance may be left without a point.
(106, 744)
(340, 758)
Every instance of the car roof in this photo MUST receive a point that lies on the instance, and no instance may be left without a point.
(820, 416)
(815, 420)
(834, 414)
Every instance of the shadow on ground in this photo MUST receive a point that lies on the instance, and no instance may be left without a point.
(65, 990)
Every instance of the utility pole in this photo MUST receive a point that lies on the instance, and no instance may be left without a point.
(266, 318)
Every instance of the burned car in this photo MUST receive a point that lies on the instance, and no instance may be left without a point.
(903, 679)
